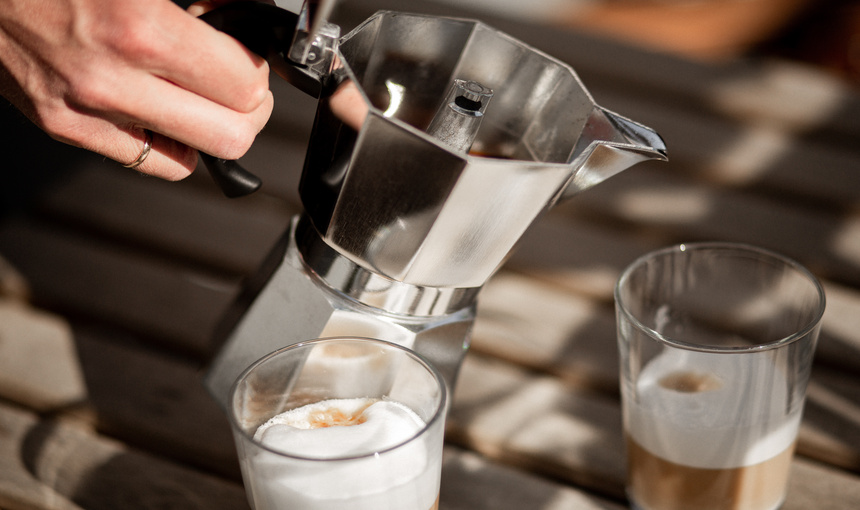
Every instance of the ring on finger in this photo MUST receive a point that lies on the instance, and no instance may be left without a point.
(147, 146)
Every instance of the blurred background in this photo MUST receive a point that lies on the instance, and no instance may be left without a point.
(825, 33)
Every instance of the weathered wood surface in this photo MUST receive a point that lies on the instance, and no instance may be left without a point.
(112, 287)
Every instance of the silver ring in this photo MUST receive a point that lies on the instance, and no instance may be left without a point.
(147, 146)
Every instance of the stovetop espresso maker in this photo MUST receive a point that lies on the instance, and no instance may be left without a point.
(437, 142)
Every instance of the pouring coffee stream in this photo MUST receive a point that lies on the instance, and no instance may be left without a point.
(401, 225)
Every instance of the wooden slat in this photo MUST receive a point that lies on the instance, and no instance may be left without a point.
(538, 424)
(548, 328)
(813, 485)
(534, 422)
(20, 489)
(154, 402)
(544, 328)
(674, 205)
(175, 304)
(39, 366)
(54, 465)
(748, 156)
(760, 153)
(172, 218)
(584, 259)
(51, 465)
(581, 255)
(601, 321)
(471, 482)
(130, 392)
(62, 465)
(839, 343)
(831, 420)
(158, 404)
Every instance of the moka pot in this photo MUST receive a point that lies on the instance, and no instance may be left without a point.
(409, 208)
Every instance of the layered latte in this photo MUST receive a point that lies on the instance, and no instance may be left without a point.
(703, 439)
(357, 453)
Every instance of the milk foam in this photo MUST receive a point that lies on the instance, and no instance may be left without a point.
(406, 474)
(340, 428)
(739, 421)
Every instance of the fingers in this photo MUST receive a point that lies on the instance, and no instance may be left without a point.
(194, 87)
(204, 6)
(199, 8)
(181, 122)
(104, 70)
(213, 94)
(189, 53)
(144, 152)
(110, 117)
(166, 158)
(192, 119)
(348, 105)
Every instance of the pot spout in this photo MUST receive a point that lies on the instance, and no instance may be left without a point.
(609, 145)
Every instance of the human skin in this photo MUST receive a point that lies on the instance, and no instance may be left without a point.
(97, 73)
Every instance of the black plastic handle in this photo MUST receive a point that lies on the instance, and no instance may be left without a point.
(267, 30)
(262, 28)
(230, 176)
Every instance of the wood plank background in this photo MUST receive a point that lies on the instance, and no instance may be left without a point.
(113, 287)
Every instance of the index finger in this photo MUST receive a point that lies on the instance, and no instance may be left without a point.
(202, 60)
(203, 6)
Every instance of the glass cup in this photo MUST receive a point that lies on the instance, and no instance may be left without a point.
(716, 344)
(361, 461)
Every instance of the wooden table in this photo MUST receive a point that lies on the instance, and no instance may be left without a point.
(113, 286)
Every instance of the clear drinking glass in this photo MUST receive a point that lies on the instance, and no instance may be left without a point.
(333, 472)
(716, 343)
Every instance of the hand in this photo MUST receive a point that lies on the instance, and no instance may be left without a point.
(96, 73)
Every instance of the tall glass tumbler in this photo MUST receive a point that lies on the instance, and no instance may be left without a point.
(716, 343)
(340, 423)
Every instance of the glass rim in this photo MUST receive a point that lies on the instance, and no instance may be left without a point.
(714, 246)
(437, 415)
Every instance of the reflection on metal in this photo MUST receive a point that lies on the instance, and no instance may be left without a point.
(395, 93)
(402, 226)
